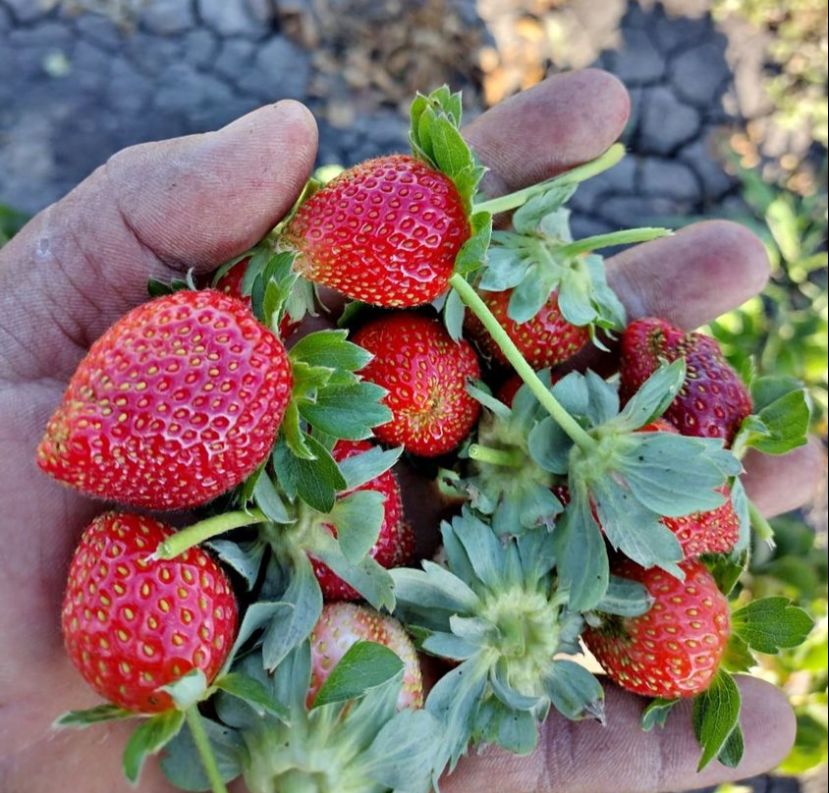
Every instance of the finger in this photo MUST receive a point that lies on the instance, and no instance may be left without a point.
(780, 484)
(552, 127)
(153, 210)
(585, 757)
(692, 277)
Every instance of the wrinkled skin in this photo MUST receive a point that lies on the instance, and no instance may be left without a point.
(160, 208)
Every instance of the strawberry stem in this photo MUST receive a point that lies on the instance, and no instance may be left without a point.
(470, 297)
(486, 454)
(514, 200)
(205, 750)
(760, 525)
(206, 529)
(623, 237)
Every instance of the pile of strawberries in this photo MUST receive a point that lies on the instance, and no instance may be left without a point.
(277, 636)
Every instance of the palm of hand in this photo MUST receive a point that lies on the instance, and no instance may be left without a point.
(151, 211)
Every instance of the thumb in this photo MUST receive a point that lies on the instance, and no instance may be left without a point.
(153, 210)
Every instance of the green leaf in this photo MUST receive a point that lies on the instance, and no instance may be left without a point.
(575, 692)
(453, 313)
(331, 350)
(366, 665)
(737, 657)
(267, 498)
(654, 396)
(402, 756)
(348, 411)
(727, 570)
(150, 737)
(656, 713)
(358, 519)
(447, 645)
(732, 752)
(188, 689)
(625, 598)
(317, 481)
(716, 714)
(181, 764)
(582, 557)
(96, 715)
(770, 624)
(767, 390)
(786, 423)
(292, 623)
(360, 469)
(251, 691)
(549, 446)
(473, 253)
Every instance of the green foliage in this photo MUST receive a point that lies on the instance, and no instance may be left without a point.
(11, 221)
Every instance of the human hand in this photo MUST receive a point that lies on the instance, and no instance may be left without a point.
(159, 209)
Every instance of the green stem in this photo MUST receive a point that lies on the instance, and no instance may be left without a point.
(486, 454)
(185, 539)
(574, 176)
(760, 524)
(202, 742)
(470, 297)
(624, 237)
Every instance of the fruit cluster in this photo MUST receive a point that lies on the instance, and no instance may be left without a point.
(278, 636)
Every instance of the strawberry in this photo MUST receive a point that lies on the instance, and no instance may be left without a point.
(713, 401)
(395, 544)
(132, 624)
(425, 373)
(675, 648)
(231, 283)
(545, 340)
(343, 624)
(508, 389)
(178, 402)
(385, 232)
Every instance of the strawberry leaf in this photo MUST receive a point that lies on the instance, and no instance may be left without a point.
(574, 691)
(656, 713)
(180, 760)
(330, 349)
(771, 624)
(267, 498)
(715, 716)
(149, 738)
(625, 598)
(316, 481)
(361, 468)
(365, 665)
(402, 755)
(738, 656)
(654, 396)
(453, 314)
(358, 519)
(347, 412)
(474, 251)
(96, 715)
(295, 615)
(251, 691)
(243, 557)
(435, 138)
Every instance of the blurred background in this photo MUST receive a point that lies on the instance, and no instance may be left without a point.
(729, 120)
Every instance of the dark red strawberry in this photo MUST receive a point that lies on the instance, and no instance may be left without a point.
(713, 401)
(674, 649)
(394, 546)
(509, 388)
(231, 284)
(385, 232)
(178, 402)
(545, 340)
(425, 373)
(132, 624)
(343, 624)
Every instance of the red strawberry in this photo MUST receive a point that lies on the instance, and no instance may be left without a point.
(343, 624)
(545, 340)
(231, 284)
(394, 546)
(178, 402)
(385, 232)
(425, 373)
(713, 401)
(131, 625)
(674, 649)
(509, 388)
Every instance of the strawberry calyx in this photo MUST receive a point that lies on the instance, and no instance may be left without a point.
(353, 738)
(497, 610)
